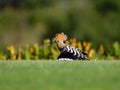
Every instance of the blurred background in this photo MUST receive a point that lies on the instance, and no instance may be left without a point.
(31, 21)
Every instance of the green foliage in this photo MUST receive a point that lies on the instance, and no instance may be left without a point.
(106, 6)
(29, 4)
(115, 50)
(89, 20)
(49, 51)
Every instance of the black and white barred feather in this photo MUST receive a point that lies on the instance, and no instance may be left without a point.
(72, 53)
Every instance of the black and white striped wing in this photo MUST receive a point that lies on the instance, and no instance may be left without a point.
(72, 53)
(76, 53)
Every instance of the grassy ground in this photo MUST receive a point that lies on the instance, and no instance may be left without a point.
(59, 75)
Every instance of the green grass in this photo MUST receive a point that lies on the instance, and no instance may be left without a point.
(59, 75)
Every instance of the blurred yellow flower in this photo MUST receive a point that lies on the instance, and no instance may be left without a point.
(46, 41)
(87, 46)
(11, 49)
(84, 43)
(36, 45)
(67, 42)
(101, 49)
(91, 53)
(73, 42)
(31, 50)
(79, 45)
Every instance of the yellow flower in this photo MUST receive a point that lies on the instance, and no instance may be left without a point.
(88, 46)
(79, 45)
(11, 49)
(31, 50)
(101, 49)
(46, 41)
(73, 42)
(91, 53)
(84, 43)
(36, 45)
(67, 42)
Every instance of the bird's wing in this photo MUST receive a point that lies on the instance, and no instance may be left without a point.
(76, 52)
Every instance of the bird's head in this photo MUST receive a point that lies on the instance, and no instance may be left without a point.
(60, 37)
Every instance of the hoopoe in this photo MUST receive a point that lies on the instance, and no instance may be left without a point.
(68, 52)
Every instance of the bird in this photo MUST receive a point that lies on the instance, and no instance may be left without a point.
(68, 52)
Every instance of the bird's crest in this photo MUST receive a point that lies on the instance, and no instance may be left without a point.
(60, 37)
